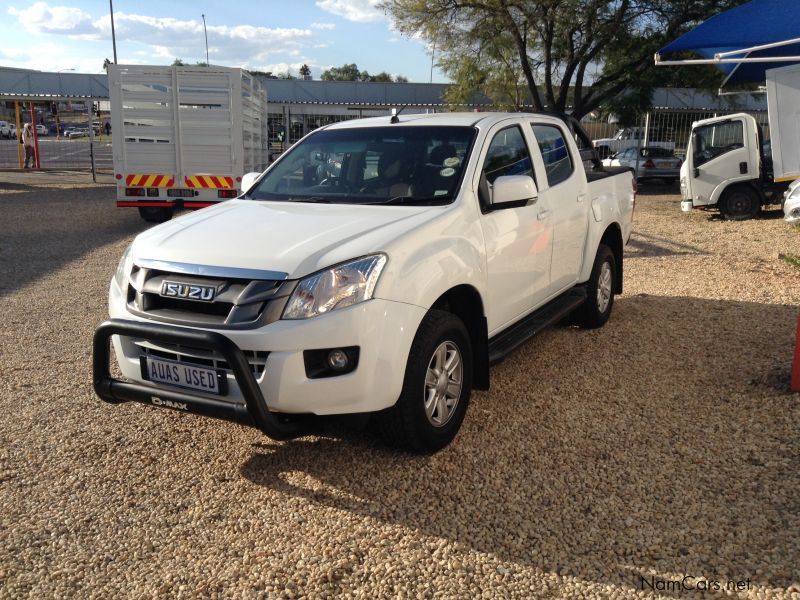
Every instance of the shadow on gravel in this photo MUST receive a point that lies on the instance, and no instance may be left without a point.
(45, 228)
(644, 245)
(663, 444)
(657, 189)
(767, 214)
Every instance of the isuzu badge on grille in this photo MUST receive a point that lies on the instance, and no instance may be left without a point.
(188, 291)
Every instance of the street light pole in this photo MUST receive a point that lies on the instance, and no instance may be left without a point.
(206, 34)
(113, 37)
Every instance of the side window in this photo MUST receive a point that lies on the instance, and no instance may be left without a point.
(508, 155)
(555, 153)
(714, 140)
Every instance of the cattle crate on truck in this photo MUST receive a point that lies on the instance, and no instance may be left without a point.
(184, 136)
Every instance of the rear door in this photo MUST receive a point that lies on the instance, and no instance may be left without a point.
(719, 155)
(564, 191)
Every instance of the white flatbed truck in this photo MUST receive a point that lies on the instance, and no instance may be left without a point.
(184, 136)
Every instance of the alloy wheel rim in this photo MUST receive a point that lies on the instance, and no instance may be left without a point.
(443, 383)
(604, 287)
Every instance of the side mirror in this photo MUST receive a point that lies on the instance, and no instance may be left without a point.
(513, 190)
(248, 180)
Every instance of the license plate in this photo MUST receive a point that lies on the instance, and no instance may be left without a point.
(184, 375)
(662, 164)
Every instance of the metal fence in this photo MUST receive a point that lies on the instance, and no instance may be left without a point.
(77, 149)
(69, 135)
(669, 128)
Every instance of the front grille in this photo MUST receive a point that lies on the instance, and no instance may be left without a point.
(237, 303)
(257, 359)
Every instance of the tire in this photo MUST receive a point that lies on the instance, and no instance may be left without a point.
(739, 203)
(408, 425)
(153, 214)
(600, 289)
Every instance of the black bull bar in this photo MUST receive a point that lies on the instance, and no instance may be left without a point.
(253, 413)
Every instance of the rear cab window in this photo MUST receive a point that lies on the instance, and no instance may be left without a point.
(555, 153)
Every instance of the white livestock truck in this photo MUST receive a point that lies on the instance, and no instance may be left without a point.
(184, 136)
(729, 164)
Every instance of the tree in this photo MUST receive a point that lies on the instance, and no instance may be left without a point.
(178, 63)
(305, 72)
(344, 73)
(106, 62)
(549, 53)
(351, 73)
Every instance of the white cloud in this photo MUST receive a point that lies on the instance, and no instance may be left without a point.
(167, 38)
(361, 11)
(281, 67)
(323, 26)
(41, 18)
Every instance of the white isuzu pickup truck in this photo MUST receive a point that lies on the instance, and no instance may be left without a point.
(379, 266)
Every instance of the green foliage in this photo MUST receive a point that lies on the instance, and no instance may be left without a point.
(350, 72)
(305, 71)
(178, 63)
(553, 54)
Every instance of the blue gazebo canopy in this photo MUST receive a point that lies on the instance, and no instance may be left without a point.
(741, 30)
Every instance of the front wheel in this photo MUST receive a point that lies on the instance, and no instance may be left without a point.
(600, 290)
(436, 387)
(739, 204)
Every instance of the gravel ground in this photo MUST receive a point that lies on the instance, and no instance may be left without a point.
(600, 464)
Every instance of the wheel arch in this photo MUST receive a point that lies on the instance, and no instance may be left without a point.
(465, 302)
(721, 190)
(612, 237)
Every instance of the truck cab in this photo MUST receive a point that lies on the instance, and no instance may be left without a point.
(728, 166)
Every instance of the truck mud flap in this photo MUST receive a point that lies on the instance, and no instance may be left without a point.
(254, 413)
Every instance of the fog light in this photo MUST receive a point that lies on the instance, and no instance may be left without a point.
(337, 360)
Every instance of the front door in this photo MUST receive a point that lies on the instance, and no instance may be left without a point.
(518, 240)
(719, 154)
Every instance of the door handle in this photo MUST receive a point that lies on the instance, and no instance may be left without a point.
(543, 214)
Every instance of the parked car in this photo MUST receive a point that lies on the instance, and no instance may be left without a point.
(378, 266)
(791, 203)
(652, 163)
(632, 137)
(76, 132)
(41, 130)
(5, 130)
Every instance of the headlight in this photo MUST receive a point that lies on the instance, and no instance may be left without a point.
(337, 287)
(121, 274)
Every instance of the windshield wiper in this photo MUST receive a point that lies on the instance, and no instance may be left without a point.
(411, 200)
(313, 199)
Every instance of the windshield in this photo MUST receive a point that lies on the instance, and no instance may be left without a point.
(371, 165)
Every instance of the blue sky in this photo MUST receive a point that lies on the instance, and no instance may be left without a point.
(266, 35)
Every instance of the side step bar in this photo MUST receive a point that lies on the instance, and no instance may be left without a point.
(509, 339)
(254, 413)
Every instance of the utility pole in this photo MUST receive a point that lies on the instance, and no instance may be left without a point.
(113, 37)
(208, 64)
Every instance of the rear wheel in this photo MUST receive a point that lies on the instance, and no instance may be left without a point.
(155, 214)
(739, 204)
(436, 387)
(600, 290)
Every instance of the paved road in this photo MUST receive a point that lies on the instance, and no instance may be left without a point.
(60, 153)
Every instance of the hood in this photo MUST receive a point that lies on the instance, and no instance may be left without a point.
(296, 238)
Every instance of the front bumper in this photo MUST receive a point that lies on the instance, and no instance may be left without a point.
(382, 330)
